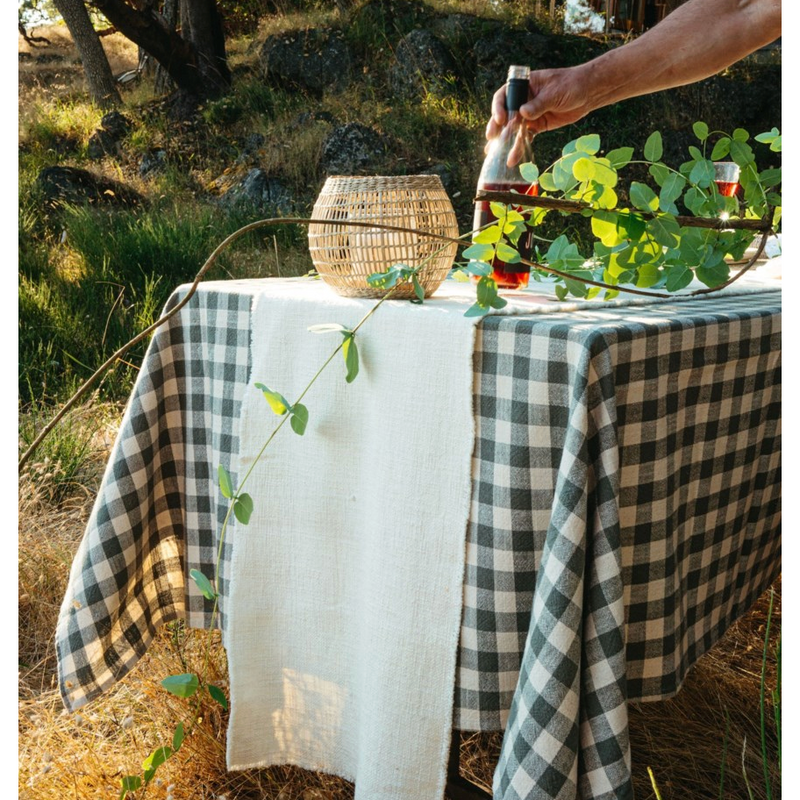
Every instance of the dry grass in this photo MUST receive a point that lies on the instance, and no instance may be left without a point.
(84, 755)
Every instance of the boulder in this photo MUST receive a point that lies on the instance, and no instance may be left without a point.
(116, 124)
(353, 149)
(260, 191)
(315, 60)
(461, 31)
(102, 143)
(422, 64)
(393, 18)
(78, 186)
(105, 141)
(503, 47)
(153, 161)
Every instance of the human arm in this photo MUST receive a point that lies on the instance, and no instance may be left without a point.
(697, 40)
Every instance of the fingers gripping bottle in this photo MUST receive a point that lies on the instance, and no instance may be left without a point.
(496, 175)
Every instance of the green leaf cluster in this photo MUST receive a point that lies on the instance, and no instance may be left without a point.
(643, 243)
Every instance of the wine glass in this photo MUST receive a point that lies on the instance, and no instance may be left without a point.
(726, 177)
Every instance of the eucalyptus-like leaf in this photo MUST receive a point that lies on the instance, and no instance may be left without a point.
(776, 145)
(583, 169)
(299, 418)
(678, 277)
(129, 783)
(742, 153)
(740, 135)
(488, 235)
(499, 209)
(714, 270)
(476, 310)
(607, 200)
(419, 291)
(643, 197)
(480, 252)
(225, 482)
(631, 225)
(620, 157)
(181, 685)
(768, 136)
(604, 226)
(499, 302)
(507, 253)
(659, 172)
(478, 268)
(561, 292)
(154, 761)
(648, 275)
(770, 177)
(700, 130)
(277, 402)
(178, 737)
(702, 173)
(243, 505)
(695, 153)
(529, 172)
(218, 695)
(653, 147)
(350, 351)
(588, 144)
(486, 291)
(665, 230)
(203, 584)
(604, 174)
(721, 149)
(384, 280)
(547, 183)
(672, 188)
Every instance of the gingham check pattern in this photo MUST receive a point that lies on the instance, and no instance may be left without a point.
(158, 512)
(625, 511)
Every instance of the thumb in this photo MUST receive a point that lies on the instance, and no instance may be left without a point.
(536, 107)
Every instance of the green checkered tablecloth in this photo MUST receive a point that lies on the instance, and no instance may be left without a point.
(625, 511)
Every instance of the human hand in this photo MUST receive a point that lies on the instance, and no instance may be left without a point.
(558, 97)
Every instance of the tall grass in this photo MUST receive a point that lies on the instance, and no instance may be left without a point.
(86, 291)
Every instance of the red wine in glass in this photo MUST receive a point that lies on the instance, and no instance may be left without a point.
(507, 276)
(727, 188)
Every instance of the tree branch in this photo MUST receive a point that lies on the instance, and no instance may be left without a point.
(576, 207)
(150, 31)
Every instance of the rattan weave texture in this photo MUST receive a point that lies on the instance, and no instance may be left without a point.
(346, 255)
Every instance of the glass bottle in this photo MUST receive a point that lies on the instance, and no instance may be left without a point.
(497, 175)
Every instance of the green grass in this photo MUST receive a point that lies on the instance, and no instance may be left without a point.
(66, 460)
(81, 299)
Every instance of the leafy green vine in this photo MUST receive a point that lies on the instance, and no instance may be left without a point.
(645, 243)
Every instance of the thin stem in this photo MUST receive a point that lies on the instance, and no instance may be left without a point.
(284, 418)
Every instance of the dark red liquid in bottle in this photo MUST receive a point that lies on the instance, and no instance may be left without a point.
(727, 189)
(508, 276)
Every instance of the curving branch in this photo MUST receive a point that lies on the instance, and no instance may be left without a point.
(89, 382)
(576, 207)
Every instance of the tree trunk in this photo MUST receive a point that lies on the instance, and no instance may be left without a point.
(194, 59)
(102, 88)
(163, 83)
(208, 38)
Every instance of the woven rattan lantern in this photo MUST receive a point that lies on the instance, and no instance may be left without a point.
(345, 255)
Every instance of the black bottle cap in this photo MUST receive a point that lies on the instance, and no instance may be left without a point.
(516, 94)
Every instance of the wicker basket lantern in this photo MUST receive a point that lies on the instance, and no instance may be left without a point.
(345, 255)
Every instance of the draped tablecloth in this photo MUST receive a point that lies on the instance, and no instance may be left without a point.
(625, 511)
